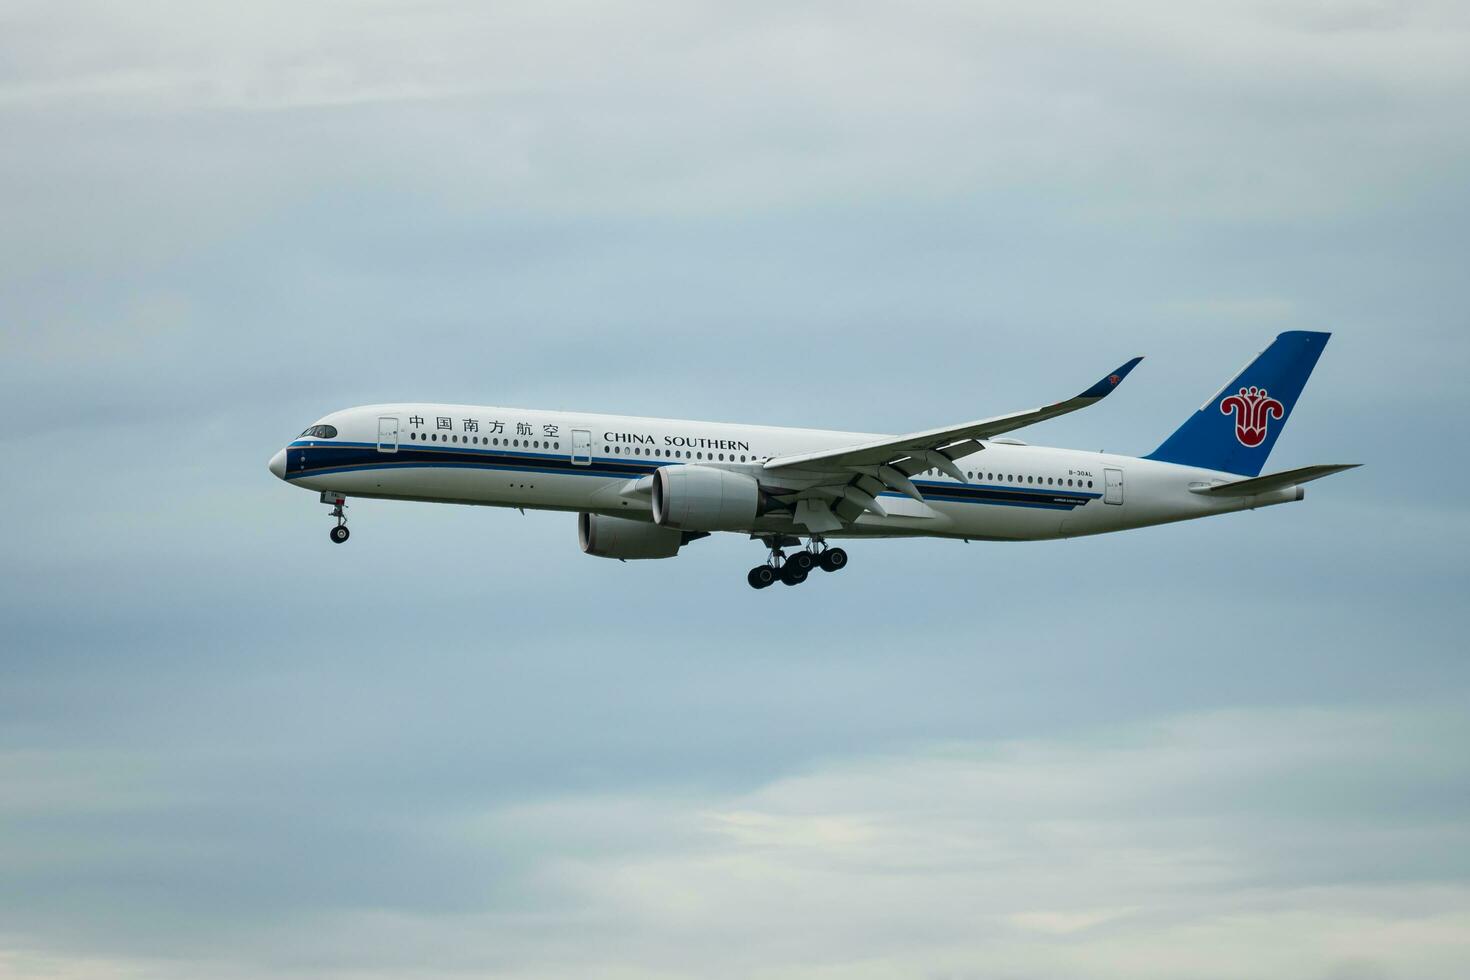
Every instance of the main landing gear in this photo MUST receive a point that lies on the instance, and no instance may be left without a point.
(794, 569)
(339, 504)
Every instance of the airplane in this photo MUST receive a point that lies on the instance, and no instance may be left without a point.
(644, 488)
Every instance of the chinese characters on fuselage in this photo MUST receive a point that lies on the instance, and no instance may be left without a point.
(446, 423)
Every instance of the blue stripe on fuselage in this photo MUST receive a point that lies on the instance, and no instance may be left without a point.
(354, 457)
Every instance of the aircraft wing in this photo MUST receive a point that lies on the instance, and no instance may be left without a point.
(952, 441)
(856, 475)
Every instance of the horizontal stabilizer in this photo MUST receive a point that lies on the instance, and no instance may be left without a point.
(1274, 481)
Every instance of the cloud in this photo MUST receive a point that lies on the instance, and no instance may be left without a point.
(1152, 850)
(1229, 843)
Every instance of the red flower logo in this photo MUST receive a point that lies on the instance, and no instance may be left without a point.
(1252, 408)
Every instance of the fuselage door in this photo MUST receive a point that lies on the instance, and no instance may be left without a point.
(581, 447)
(387, 435)
(1112, 486)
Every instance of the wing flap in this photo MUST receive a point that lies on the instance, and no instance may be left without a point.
(817, 516)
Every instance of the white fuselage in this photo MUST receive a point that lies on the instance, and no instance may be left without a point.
(528, 458)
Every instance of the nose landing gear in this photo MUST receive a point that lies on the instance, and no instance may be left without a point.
(794, 569)
(339, 503)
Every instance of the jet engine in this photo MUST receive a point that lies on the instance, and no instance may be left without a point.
(702, 498)
(618, 537)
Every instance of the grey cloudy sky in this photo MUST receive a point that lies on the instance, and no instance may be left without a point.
(456, 746)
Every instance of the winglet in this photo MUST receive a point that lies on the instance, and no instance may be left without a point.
(1104, 387)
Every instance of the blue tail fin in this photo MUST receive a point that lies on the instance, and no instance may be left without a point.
(1235, 430)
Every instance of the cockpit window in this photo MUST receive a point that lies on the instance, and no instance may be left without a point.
(321, 432)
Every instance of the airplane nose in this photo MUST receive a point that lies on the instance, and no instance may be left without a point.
(278, 464)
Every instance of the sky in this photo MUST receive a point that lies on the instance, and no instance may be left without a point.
(455, 746)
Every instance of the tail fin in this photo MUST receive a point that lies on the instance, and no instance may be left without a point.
(1235, 430)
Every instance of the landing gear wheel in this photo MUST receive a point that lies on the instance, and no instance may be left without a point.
(802, 560)
(833, 559)
(340, 533)
(791, 574)
(761, 576)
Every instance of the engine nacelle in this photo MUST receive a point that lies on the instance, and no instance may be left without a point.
(618, 537)
(703, 498)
